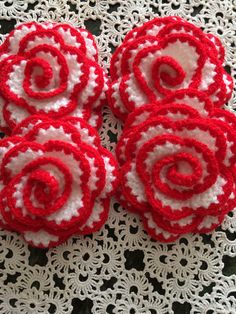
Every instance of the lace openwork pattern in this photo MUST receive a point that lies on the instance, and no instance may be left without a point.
(120, 269)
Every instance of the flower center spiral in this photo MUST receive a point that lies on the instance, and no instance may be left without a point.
(46, 72)
(45, 185)
(167, 72)
(181, 169)
(45, 193)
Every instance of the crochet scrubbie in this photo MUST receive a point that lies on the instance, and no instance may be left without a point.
(57, 180)
(178, 168)
(50, 69)
(162, 56)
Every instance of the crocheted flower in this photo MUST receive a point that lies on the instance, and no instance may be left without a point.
(162, 56)
(178, 165)
(50, 69)
(56, 180)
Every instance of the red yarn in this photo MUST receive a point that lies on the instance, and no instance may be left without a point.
(57, 180)
(177, 159)
(50, 69)
(163, 56)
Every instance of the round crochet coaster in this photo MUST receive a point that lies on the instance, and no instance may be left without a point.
(162, 56)
(57, 180)
(50, 69)
(178, 165)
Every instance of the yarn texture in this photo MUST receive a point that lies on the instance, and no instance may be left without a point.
(50, 69)
(178, 165)
(162, 56)
(88, 274)
(57, 180)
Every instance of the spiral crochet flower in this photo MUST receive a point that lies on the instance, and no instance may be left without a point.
(50, 69)
(162, 56)
(56, 179)
(178, 167)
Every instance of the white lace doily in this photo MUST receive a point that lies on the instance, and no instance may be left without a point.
(120, 269)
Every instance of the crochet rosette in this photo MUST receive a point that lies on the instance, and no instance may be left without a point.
(57, 180)
(178, 160)
(177, 149)
(162, 56)
(50, 69)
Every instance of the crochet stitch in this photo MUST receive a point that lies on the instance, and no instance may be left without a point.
(50, 69)
(57, 180)
(162, 56)
(178, 165)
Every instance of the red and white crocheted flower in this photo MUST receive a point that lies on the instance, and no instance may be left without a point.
(162, 56)
(178, 164)
(50, 69)
(56, 178)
